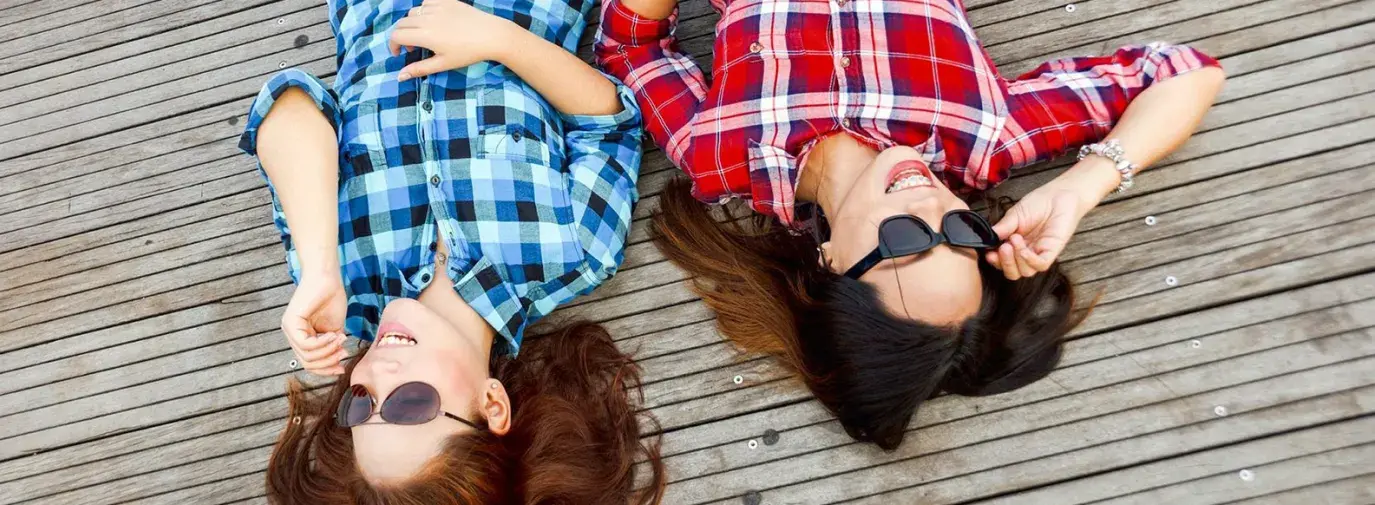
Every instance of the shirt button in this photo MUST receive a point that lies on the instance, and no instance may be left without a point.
(845, 61)
(435, 180)
(428, 106)
(434, 246)
(840, 3)
(845, 122)
(756, 47)
(516, 136)
(424, 277)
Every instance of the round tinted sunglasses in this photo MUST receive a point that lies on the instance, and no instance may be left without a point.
(409, 404)
(900, 236)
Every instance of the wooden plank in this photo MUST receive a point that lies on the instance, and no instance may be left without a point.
(1184, 470)
(218, 60)
(171, 482)
(137, 290)
(46, 18)
(1250, 315)
(122, 147)
(1313, 45)
(1291, 20)
(123, 250)
(176, 433)
(94, 34)
(1278, 476)
(161, 459)
(1353, 491)
(1080, 389)
(14, 11)
(182, 46)
(1025, 459)
(178, 96)
(255, 245)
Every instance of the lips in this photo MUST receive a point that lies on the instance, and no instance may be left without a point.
(910, 174)
(393, 334)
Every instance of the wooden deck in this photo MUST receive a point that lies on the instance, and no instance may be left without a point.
(1232, 359)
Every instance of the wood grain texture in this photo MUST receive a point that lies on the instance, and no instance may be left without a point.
(136, 241)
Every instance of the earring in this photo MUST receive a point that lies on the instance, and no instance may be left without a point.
(494, 385)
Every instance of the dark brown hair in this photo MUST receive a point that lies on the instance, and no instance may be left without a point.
(574, 438)
(871, 369)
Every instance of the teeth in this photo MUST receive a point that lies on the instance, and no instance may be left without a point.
(391, 339)
(910, 181)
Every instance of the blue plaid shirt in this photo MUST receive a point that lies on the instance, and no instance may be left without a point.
(534, 204)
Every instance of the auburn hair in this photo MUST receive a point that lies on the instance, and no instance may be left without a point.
(871, 369)
(574, 438)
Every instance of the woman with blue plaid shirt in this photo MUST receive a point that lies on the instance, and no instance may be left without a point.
(463, 176)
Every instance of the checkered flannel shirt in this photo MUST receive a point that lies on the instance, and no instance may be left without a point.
(788, 73)
(534, 205)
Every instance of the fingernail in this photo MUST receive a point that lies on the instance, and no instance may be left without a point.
(403, 76)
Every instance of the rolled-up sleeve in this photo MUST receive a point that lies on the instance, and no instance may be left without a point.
(1069, 102)
(603, 167)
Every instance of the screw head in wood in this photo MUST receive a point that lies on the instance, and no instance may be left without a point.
(1220, 410)
(1171, 281)
(1195, 344)
(281, 64)
(281, 21)
(770, 437)
(738, 379)
(1246, 475)
(1071, 8)
(291, 364)
(754, 444)
(1150, 221)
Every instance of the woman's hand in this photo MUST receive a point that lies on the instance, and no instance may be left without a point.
(457, 33)
(1036, 230)
(314, 323)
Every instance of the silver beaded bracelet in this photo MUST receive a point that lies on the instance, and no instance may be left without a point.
(1113, 151)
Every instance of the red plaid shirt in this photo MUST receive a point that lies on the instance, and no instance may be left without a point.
(788, 73)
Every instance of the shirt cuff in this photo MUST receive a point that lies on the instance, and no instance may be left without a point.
(628, 117)
(623, 25)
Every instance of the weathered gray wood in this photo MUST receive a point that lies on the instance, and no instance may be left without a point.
(1183, 471)
(1353, 491)
(1279, 476)
(1252, 315)
(1086, 388)
(137, 247)
(50, 16)
(205, 257)
(94, 34)
(183, 46)
(144, 288)
(174, 434)
(14, 11)
(1022, 460)
(211, 471)
(162, 458)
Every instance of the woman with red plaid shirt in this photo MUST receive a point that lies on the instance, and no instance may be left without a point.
(860, 121)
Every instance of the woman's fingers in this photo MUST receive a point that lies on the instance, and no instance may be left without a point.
(1023, 267)
(329, 362)
(1008, 262)
(331, 345)
(427, 66)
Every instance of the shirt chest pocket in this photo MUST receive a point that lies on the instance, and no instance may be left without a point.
(363, 150)
(506, 131)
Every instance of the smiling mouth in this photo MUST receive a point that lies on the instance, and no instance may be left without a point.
(907, 175)
(394, 339)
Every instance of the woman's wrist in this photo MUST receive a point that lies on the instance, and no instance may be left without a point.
(509, 40)
(1092, 179)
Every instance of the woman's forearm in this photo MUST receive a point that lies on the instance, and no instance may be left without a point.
(300, 153)
(652, 9)
(570, 85)
(1154, 125)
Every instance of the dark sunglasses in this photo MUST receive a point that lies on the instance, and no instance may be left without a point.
(409, 404)
(900, 236)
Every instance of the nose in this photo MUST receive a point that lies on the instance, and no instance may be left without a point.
(928, 209)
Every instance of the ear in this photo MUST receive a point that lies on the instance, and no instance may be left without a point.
(823, 257)
(496, 407)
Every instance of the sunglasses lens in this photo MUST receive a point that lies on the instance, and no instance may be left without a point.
(905, 235)
(411, 403)
(355, 407)
(968, 229)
